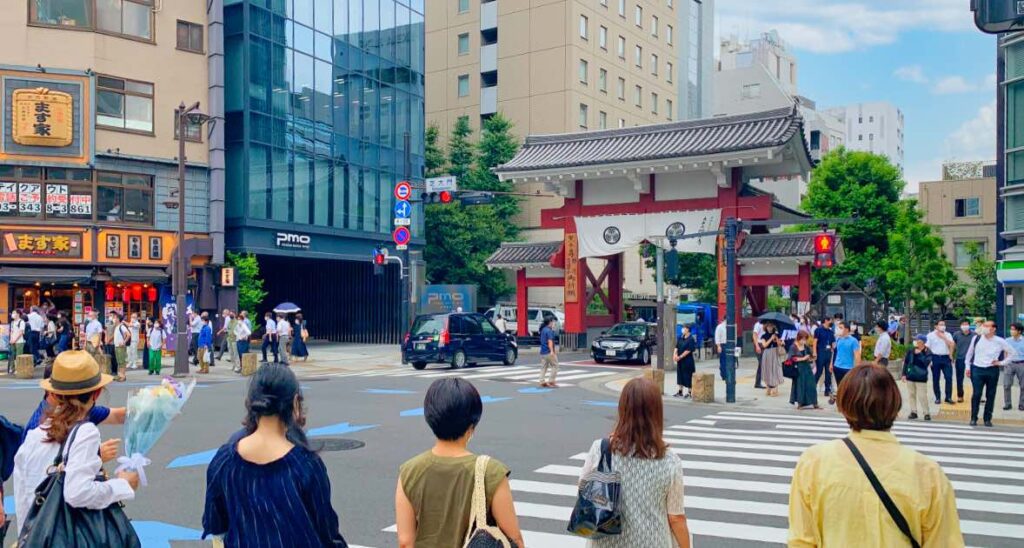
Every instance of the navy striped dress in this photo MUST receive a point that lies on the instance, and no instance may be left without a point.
(285, 503)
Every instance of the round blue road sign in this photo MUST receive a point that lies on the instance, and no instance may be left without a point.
(403, 210)
(401, 235)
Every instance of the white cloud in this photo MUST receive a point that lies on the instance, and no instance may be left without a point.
(975, 139)
(953, 84)
(911, 73)
(840, 25)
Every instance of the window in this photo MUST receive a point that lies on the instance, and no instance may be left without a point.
(63, 194)
(602, 37)
(622, 123)
(463, 6)
(602, 80)
(751, 91)
(621, 49)
(130, 18)
(654, 64)
(654, 102)
(860, 137)
(604, 3)
(966, 251)
(860, 119)
(654, 26)
(622, 8)
(638, 54)
(584, 33)
(190, 37)
(871, 119)
(871, 136)
(668, 34)
(967, 207)
(124, 104)
(638, 16)
(193, 131)
(584, 68)
(638, 96)
(602, 120)
(668, 108)
(668, 71)
(464, 85)
(464, 43)
(122, 197)
(621, 88)
(583, 116)
(156, 247)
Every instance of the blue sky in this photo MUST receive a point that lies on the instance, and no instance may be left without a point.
(924, 56)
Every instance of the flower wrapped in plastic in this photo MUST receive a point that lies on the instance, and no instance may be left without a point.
(150, 412)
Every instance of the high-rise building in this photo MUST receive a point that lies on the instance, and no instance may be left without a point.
(1010, 179)
(874, 127)
(319, 97)
(89, 198)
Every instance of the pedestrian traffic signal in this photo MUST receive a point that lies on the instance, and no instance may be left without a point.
(380, 258)
(824, 250)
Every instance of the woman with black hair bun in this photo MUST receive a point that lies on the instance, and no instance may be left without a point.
(271, 459)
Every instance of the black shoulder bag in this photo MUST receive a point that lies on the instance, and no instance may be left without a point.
(597, 513)
(53, 522)
(894, 512)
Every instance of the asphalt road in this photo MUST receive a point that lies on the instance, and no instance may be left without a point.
(738, 461)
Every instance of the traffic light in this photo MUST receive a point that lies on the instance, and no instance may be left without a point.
(380, 258)
(442, 197)
(824, 250)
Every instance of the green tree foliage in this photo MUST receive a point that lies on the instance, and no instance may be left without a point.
(434, 157)
(248, 281)
(982, 272)
(915, 268)
(461, 152)
(697, 271)
(497, 146)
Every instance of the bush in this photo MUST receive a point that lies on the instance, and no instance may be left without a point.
(867, 349)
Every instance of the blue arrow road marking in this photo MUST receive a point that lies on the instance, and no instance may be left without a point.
(534, 390)
(601, 403)
(418, 412)
(387, 391)
(157, 534)
(204, 457)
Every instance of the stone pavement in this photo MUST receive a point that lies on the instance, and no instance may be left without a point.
(749, 397)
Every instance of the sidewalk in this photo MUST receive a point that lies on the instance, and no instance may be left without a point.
(749, 397)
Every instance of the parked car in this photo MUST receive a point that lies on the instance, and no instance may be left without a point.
(629, 341)
(458, 339)
(537, 315)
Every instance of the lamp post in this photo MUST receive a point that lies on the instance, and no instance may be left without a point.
(185, 116)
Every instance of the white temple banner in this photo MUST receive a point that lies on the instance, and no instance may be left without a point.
(612, 234)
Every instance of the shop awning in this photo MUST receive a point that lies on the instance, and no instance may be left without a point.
(139, 275)
(31, 275)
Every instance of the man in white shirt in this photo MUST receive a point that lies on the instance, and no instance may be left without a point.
(122, 335)
(17, 339)
(721, 337)
(499, 322)
(133, 345)
(36, 324)
(983, 358)
(941, 346)
(883, 346)
(758, 331)
(284, 337)
(94, 336)
(270, 336)
(195, 324)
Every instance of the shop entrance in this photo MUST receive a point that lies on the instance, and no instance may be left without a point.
(73, 299)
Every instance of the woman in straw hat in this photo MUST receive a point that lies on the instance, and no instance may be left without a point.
(76, 384)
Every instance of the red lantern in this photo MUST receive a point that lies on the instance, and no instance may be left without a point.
(151, 294)
(109, 293)
(136, 292)
(126, 294)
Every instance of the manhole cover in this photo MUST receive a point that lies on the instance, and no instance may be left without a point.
(336, 444)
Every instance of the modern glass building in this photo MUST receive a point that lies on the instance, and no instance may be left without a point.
(319, 95)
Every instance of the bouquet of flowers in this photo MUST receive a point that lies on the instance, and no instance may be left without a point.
(150, 412)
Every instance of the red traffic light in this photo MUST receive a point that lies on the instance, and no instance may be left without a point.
(824, 243)
(379, 257)
(445, 197)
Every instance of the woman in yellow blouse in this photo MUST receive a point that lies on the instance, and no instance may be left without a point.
(832, 502)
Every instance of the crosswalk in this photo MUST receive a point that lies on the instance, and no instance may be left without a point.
(518, 373)
(738, 466)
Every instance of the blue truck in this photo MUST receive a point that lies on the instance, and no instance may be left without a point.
(701, 317)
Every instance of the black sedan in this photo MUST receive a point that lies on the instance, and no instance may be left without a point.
(631, 341)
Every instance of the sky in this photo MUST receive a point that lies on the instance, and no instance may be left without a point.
(924, 56)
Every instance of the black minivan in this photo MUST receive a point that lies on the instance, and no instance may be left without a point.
(458, 339)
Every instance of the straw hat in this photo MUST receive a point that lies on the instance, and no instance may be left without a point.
(75, 372)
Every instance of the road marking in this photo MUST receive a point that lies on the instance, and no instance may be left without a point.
(601, 403)
(388, 391)
(810, 437)
(205, 457)
(741, 531)
(583, 376)
(418, 412)
(537, 373)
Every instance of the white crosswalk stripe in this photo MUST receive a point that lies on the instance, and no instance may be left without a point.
(518, 373)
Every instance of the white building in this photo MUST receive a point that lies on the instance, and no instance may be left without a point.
(695, 54)
(874, 127)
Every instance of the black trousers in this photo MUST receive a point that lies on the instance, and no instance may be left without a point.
(961, 367)
(943, 365)
(108, 349)
(193, 348)
(32, 345)
(272, 344)
(821, 367)
(840, 373)
(986, 378)
(757, 380)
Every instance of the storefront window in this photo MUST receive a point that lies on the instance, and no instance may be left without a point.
(132, 18)
(68, 194)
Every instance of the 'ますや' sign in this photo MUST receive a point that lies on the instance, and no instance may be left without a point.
(42, 244)
(42, 117)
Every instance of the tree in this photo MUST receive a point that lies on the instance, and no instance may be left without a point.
(915, 268)
(461, 152)
(497, 145)
(982, 272)
(433, 155)
(248, 280)
(697, 271)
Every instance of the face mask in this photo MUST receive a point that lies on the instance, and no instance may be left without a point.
(965, 328)
(983, 331)
(941, 328)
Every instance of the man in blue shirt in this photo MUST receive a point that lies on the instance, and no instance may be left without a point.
(548, 354)
(824, 346)
(205, 345)
(847, 355)
(97, 415)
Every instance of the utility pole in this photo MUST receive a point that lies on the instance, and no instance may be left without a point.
(407, 279)
(731, 229)
(659, 269)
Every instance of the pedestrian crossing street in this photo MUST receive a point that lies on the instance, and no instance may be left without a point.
(526, 374)
(738, 467)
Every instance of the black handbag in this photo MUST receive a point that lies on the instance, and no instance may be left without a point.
(597, 513)
(52, 522)
(890, 506)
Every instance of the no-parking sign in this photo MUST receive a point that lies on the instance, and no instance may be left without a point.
(401, 236)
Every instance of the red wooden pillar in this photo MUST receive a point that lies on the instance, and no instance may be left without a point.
(805, 283)
(615, 290)
(522, 303)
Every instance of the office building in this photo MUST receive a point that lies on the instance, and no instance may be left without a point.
(89, 155)
(962, 206)
(875, 127)
(319, 95)
(1010, 179)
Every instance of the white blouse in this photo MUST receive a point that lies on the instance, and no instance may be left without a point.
(81, 490)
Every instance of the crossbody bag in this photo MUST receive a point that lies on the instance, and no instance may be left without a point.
(887, 501)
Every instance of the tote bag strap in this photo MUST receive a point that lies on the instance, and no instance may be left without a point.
(887, 501)
(478, 506)
(62, 455)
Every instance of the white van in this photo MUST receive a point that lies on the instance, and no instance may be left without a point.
(536, 318)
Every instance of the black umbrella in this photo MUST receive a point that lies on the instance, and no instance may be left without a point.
(782, 321)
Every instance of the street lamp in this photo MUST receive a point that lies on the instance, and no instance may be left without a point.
(185, 116)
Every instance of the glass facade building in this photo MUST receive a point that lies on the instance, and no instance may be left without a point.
(319, 95)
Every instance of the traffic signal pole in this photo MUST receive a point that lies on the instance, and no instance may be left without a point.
(406, 280)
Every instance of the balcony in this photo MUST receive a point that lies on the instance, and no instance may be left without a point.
(489, 58)
(488, 100)
(488, 16)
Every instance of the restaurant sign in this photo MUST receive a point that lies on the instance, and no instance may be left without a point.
(42, 117)
(46, 117)
(62, 245)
